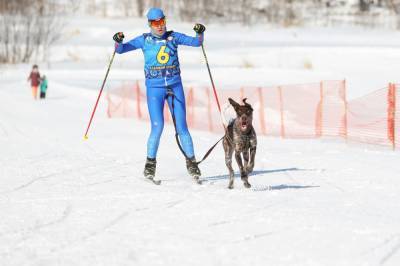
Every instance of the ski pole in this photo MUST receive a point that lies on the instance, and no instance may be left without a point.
(213, 85)
(211, 78)
(98, 97)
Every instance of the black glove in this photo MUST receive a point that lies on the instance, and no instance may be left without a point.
(199, 28)
(118, 37)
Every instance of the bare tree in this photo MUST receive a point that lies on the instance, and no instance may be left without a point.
(91, 7)
(28, 28)
(394, 5)
(139, 7)
(363, 6)
(126, 6)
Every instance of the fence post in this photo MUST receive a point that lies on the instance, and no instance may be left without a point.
(210, 126)
(318, 120)
(343, 95)
(167, 113)
(262, 118)
(138, 110)
(391, 114)
(190, 107)
(124, 101)
(394, 114)
(109, 104)
(283, 135)
(241, 93)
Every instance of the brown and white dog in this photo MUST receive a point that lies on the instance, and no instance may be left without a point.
(240, 138)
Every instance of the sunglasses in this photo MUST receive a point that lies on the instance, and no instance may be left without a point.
(157, 23)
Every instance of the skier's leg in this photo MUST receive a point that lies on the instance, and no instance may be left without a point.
(155, 105)
(180, 118)
(34, 92)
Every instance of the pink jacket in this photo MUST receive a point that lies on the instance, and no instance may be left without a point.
(35, 78)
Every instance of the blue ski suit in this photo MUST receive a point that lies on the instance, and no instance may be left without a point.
(162, 72)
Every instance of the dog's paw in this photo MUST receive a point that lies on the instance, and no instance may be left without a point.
(230, 186)
(247, 184)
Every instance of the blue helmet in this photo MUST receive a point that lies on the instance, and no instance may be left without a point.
(155, 14)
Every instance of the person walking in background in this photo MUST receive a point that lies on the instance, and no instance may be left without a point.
(163, 79)
(34, 77)
(43, 87)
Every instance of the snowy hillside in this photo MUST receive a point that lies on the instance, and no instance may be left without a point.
(66, 201)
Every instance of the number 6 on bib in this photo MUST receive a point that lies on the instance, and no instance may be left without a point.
(162, 56)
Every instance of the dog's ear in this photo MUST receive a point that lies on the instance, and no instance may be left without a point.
(233, 103)
(246, 104)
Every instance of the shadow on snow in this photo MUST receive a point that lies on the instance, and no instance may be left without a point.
(261, 172)
(280, 187)
(256, 172)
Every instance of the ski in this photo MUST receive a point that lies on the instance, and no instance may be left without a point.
(151, 179)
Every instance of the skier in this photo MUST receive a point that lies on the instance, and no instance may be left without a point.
(34, 77)
(43, 87)
(163, 79)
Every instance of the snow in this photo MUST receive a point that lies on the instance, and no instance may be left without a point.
(66, 201)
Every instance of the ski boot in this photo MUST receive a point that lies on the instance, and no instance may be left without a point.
(193, 169)
(150, 170)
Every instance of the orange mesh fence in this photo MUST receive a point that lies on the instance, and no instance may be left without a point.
(397, 116)
(289, 111)
(367, 118)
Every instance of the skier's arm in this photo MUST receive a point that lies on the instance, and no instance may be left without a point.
(192, 41)
(133, 44)
(183, 39)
